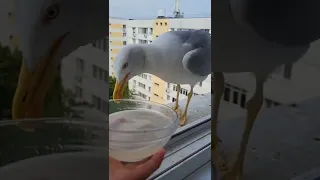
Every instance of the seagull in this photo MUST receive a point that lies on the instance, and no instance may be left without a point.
(255, 36)
(49, 31)
(179, 57)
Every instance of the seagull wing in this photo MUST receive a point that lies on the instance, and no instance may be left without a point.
(198, 59)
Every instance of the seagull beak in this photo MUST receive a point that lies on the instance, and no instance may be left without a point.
(120, 87)
(32, 87)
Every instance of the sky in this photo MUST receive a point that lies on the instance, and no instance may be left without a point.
(149, 8)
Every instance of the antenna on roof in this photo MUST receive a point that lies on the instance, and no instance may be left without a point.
(176, 12)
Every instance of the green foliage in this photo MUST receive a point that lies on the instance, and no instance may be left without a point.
(10, 64)
(112, 81)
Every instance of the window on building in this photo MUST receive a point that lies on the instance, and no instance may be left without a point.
(101, 74)
(105, 44)
(149, 89)
(156, 94)
(235, 97)
(174, 99)
(144, 76)
(276, 103)
(165, 24)
(168, 97)
(141, 85)
(142, 95)
(79, 92)
(227, 94)
(200, 84)
(157, 84)
(94, 71)
(174, 87)
(124, 34)
(80, 64)
(106, 77)
(184, 91)
(105, 107)
(287, 71)
(96, 102)
(100, 104)
(124, 43)
(243, 100)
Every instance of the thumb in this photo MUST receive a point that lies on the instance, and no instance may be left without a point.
(143, 171)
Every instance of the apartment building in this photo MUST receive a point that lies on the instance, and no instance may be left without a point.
(117, 39)
(8, 36)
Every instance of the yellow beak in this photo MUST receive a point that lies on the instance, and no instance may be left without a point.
(119, 88)
(33, 86)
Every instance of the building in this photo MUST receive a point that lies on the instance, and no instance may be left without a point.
(7, 35)
(117, 39)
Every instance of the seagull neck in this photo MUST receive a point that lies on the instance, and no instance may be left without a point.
(152, 56)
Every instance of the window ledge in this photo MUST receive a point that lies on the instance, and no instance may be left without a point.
(190, 147)
(284, 142)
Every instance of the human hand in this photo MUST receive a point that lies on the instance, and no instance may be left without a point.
(135, 171)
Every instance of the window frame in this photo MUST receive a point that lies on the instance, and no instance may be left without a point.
(181, 160)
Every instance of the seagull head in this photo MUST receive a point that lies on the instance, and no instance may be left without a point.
(49, 31)
(129, 62)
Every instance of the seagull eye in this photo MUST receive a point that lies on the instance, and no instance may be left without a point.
(125, 66)
(52, 12)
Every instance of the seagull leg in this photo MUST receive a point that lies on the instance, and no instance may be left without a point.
(253, 107)
(218, 89)
(176, 106)
(183, 118)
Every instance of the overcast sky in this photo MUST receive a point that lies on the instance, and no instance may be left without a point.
(149, 8)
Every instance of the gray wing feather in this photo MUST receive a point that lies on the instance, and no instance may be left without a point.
(198, 59)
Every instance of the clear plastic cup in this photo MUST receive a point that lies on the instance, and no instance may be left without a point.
(139, 128)
(56, 149)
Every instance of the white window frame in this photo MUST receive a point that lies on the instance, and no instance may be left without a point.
(187, 151)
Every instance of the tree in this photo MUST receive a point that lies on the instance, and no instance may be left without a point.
(112, 81)
(10, 64)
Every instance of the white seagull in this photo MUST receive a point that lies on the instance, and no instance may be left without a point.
(49, 31)
(256, 36)
(180, 57)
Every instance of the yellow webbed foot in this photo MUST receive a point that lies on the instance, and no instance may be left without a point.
(177, 110)
(182, 120)
(235, 173)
